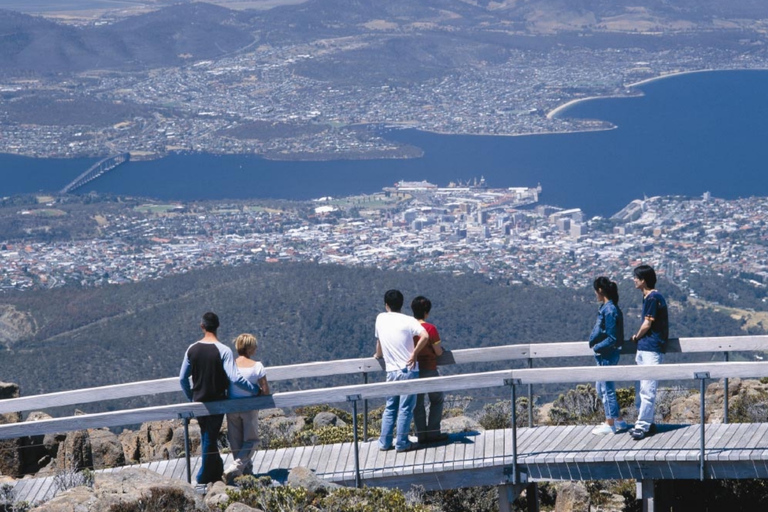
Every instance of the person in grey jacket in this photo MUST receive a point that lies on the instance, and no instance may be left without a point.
(606, 340)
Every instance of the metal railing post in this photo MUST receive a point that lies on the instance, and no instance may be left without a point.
(702, 376)
(365, 411)
(354, 399)
(513, 383)
(725, 395)
(185, 417)
(530, 397)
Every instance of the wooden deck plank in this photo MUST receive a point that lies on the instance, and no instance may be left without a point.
(750, 444)
(478, 453)
(563, 438)
(408, 461)
(258, 457)
(296, 457)
(264, 463)
(36, 486)
(450, 456)
(489, 447)
(565, 441)
(419, 466)
(47, 491)
(719, 451)
(306, 455)
(332, 460)
(691, 436)
(180, 470)
(738, 441)
(529, 446)
(317, 456)
(670, 445)
(656, 442)
(458, 455)
(759, 452)
(345, 462)
(372, 451)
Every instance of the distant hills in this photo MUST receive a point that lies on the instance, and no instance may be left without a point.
(167, 37)
(431, 34)
(72, 337)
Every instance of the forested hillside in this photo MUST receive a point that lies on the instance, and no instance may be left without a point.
(299, 312)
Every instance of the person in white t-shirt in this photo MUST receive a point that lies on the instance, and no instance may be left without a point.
(243, 427)
(395, 334)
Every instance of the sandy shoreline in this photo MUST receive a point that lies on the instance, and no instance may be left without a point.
(552, 113)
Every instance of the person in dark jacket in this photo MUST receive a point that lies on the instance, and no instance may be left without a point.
(211, 366)
(606, 340)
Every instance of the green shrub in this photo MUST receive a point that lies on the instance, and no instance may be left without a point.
(259, 493)
(577, 407)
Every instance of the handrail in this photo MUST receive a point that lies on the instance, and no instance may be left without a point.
(524, 351)
(383, 389)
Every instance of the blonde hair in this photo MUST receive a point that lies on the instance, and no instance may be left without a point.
(246, 344)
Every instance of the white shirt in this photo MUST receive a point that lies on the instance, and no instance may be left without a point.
(252, 374)
(395, 332)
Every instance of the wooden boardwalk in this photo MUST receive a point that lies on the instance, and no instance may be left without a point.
(471, 459)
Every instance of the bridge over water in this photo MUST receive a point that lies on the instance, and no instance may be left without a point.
(98, 169)
(513, 458)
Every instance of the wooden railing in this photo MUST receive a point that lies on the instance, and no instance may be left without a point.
(356, 393)
(529, 352)
(363, 392)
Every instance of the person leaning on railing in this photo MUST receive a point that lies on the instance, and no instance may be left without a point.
(651, 341)
(606, 340)
(212, 367)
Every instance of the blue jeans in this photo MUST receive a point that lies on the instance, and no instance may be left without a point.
(428, 427)
(607, 390)
(211, 466)
(399, 409)
(645, 394)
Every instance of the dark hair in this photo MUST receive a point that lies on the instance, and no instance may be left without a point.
(647, 274)
(394, 299)
(607, 288)
(210, 322)
(420, 306)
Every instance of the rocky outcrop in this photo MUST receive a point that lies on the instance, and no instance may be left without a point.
(572, 497)
(158, 440)
(75, 453)
(106, 449)
(460, 424)
(327, 419)
(11, 463)
(241, 507)
(306, 478)
(134, 488)
(745, 400)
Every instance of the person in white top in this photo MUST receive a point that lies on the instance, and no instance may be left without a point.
(243, 427)
(395, 334)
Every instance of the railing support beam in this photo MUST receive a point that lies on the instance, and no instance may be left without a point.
(187, 455)
(354, 399)
(702, 376)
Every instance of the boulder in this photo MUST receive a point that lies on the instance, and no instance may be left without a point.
(571, 497)
(306, 478)
(106, 448)
(134, 488)
(241, 507)
(327, 419)
(75, 453)
(460, 424)
(158, 440)
(216, 496)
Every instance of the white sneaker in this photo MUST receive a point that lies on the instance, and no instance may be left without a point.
(604, 429)
(620, 425)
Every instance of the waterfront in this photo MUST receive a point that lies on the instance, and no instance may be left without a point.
(687, 134)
